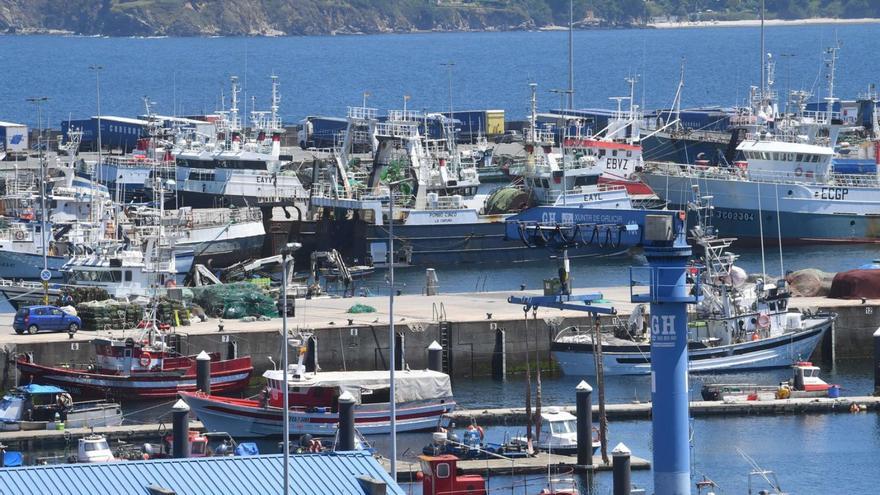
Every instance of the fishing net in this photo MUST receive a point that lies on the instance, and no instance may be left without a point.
(361, 308)
(235, 301)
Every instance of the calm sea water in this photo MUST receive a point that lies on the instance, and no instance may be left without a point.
(322, 75)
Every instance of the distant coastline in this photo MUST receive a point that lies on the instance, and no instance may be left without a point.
(486, 29)
(757, 22)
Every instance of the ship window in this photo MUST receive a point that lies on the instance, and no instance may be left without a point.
(629, 154)
(128, 275)
(545, 183)
(376, 396)
(126, 353)
(443, 470)
(601, 153)
(776, 157)
(614, 153)
(800, 157)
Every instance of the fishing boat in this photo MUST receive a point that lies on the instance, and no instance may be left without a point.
(805, 382)
(94, 448)
(423, 396)
(41, 407)
(139, 368)
(557, 433)
(738, 326)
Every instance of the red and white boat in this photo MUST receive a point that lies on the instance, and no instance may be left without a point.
(138, 369)
(618, 161)
(422, 397)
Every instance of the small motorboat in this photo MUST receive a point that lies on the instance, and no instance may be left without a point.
(94, 448)
(42, 407)
(472, 446)
(558, 433)
(559, 486)
(805, 382)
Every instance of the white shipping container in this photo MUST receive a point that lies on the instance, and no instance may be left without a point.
(14, 137)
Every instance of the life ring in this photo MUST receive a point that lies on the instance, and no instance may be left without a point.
(19, 235)
(145, 359)
(763, 320)
(755, 336)
(314, 446)
(798, 172)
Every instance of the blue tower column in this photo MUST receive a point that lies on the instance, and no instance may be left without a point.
(667, 252)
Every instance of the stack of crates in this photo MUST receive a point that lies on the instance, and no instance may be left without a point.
(109, 315)
(172, 312)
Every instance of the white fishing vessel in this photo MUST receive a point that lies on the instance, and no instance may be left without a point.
(738, 326)
(233, 169)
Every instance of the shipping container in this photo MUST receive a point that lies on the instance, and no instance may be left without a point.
(117, 133)
(854, 166)
(321, 132)
(473, 123)
(13, 139)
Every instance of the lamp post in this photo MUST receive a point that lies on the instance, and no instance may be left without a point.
(38, 101)
(367, 94)
(286, 251)
(563, 130)
(98, 166)
(405, 99)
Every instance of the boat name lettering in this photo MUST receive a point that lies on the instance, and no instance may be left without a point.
(833, 193)
(616, 163)
(592, 197)
(263, 179)
(735, 215)
(663, 329)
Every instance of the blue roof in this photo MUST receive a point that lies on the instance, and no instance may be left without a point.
(310, 474)
(33, 388)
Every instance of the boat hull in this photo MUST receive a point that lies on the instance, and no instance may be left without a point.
(578, 359)
(28, 266)
(227, 377)
(248, 419)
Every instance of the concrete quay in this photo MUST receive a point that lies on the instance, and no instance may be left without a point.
(482, 334)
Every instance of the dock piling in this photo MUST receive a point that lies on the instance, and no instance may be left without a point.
(399, 351)
(180, 429)
(346, 422)
(877, 362)
(499, 355)
(435, 351)
(584, 424)
(203, 372)
(621, 470)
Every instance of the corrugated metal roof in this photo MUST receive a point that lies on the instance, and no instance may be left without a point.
(121, 120)
(11, 124)
(311, 474)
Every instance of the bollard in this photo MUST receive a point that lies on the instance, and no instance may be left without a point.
(622, 470)
(180, 429)
(399, 352)
(346, 422)
(435, 361)
(231, 350)
(877, 362)
(584, 424)
(311, 360)
(203, 372)
(432, 285)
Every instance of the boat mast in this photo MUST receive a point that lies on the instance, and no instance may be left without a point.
(571, 54)
(763, 80)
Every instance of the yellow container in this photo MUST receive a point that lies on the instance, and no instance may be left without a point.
(494, 122)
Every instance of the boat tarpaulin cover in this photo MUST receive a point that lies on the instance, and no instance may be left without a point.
(856, 284)
(410, 385)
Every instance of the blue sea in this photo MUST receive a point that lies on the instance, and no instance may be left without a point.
(322, 75)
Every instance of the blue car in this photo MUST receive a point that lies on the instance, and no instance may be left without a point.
(35, 318)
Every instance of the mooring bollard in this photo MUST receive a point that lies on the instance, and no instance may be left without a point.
(435, 361)
(180, 429)
(203, 372)
(346, 422)
(877, 362)
(622, 470)
(584, 407)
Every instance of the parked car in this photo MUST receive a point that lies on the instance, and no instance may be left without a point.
(35, 318)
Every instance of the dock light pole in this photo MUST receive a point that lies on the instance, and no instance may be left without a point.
(98, 167)
(449, 66)
(367, 94)
(286, 251)
(563, 128)
(38, 101)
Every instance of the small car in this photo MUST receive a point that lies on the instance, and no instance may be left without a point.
(35, 318)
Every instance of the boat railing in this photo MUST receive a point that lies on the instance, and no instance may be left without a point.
(398, 130)
(553, 196)
(405, 116)
(541, 135)
(784, 137)
(219, 216)
(362, 113)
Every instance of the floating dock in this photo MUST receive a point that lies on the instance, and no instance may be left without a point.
(697, 409)
(558, 464)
